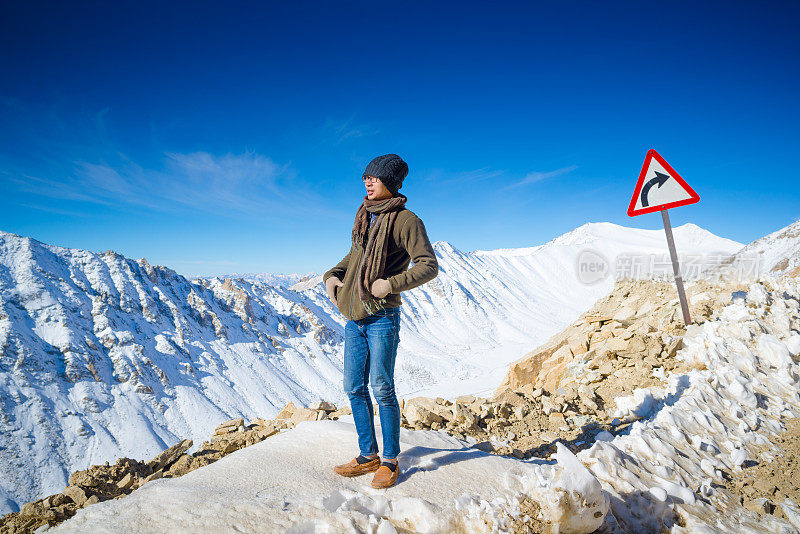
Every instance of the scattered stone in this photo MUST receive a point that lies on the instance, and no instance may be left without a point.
(760, 506)
(233, 425)
(303, 414)
(155, 476)
(181, 466)
(485, 446)
(266, 432)
(76, 494)
(166, 458)
(425, 412)
(287, 411)
(324, 405)
(126, 482)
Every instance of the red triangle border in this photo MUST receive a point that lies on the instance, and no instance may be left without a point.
(694, 197)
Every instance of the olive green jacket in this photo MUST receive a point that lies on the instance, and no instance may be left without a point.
(408, 242)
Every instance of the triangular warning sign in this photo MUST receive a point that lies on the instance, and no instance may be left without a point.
(659, 187)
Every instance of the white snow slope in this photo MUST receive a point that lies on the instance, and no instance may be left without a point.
(666, 468)
(102, 356)
(774, 254)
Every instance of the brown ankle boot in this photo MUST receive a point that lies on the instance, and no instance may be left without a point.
(353, 467)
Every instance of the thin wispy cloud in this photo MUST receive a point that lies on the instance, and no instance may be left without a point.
(474, 176)
(345, 129)
(50, 209)
(533, 177)
(246, 184)
(483, 174)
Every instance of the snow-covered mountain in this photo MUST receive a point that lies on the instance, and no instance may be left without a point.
(273, 279)
(103, 356)
(775, 254)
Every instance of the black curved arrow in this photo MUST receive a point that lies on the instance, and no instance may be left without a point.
(659, 180)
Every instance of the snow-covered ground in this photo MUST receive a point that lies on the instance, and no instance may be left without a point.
(663, 473)
(105, 357)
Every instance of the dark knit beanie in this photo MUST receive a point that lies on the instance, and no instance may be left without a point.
(390, 168)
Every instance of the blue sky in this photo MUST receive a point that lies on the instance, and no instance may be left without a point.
(231, 138)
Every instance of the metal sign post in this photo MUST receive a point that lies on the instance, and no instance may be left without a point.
(660, 188)
(676, 270)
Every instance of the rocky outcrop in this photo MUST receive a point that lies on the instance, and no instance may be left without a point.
(639, 322)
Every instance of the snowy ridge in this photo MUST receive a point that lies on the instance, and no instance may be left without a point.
(688, 235)
(104, 356)
(273, 279)
(777, 253)
(664, 474)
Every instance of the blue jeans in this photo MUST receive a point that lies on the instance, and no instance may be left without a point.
(370, 348)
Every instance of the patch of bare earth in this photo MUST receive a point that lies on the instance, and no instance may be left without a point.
(762, 486)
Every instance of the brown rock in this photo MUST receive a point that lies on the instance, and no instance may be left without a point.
(509, 397)
(764, 485)
(673, 347)
(259, 422)
(464, 415)
(303, 414)
(76, 494)
(126, 482)
(166, 458)
(217, 438)
(617, 344)
(600, 337)
(30, 509)
(424, 411)
(83, 479)
(287, 411)
(266, 432)
(345, 410)
(233, 446)
(578, 347)
(760, 506)
(485, 446)
(155, 476)
(596, 318)
(181, 466)
(324, 405)
(526, 369)
(230, 426)
(557, 419)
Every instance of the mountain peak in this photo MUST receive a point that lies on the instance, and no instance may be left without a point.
(445, 246)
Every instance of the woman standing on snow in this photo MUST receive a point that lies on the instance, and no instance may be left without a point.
(365, 286)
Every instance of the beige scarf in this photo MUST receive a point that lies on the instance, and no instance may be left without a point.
(376, 244)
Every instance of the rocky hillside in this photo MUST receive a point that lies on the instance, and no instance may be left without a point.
(102, 356)
(605, 383)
